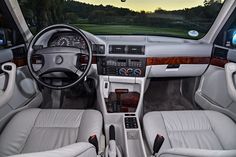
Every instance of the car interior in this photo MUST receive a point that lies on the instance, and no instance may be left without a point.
(129, 78)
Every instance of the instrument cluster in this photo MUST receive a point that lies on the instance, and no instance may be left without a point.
(67, 39)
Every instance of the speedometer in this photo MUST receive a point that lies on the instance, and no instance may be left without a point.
(63, 41)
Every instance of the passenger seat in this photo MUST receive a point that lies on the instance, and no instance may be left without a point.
(191, 133)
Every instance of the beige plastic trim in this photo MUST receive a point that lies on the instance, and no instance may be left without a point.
(230, 70)
(7, 94)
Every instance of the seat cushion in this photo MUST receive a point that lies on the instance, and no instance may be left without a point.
(37, 130)
(207, 130)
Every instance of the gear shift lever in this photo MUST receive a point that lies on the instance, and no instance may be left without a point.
(112, 150)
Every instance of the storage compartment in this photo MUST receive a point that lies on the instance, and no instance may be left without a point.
(122, 101)
(122, 97)
(133, 137)
(134, 144)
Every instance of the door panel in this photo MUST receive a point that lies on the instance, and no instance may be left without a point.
(213, 92)
(25, 95)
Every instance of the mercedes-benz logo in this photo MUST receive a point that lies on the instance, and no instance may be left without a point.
(58, 60)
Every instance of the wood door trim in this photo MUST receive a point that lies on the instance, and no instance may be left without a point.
(220, 62)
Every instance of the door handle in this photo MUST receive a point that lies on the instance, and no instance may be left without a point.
(6, 95)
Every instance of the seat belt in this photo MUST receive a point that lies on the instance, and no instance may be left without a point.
(158, 143)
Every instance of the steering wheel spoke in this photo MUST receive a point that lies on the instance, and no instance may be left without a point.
(60, 59)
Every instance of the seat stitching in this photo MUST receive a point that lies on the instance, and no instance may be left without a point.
(213, 129)
(167, 132)
(30, 132)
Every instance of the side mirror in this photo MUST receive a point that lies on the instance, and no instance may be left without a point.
(3, 40)
(231, 38)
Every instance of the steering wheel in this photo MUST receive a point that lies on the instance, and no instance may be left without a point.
(59, 59)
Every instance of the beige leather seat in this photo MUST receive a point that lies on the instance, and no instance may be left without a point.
(62, 133)
(191, 133)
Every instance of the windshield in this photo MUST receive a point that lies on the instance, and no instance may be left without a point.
(179, 18)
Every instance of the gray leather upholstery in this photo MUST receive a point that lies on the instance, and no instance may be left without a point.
(80, 149)
(196, 130)
(37, 130)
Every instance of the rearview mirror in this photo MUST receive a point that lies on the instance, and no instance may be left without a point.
(3, 40)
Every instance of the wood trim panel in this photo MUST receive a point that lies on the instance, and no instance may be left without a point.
(20, 61)
(84, 60)
(177, 60)
(220, 62)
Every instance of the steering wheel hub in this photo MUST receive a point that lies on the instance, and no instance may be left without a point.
(58, 59)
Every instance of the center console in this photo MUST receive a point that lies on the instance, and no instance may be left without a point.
(120, 95)
(121, 66)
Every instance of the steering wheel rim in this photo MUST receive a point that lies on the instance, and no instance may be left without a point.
(31, 51)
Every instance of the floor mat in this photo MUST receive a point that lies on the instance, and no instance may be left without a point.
(79, 98)
(75, 101)
(164, 95)
(76, 97)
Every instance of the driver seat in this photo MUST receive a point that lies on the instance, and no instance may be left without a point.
(51, 132)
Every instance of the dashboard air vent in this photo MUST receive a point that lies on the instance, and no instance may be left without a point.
(117, 49)
(127, 49)
(137, 50)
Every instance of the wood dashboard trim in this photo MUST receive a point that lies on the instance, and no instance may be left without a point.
(220, 62)
(177, 60)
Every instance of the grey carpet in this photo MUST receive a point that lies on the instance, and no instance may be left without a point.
(164, 95)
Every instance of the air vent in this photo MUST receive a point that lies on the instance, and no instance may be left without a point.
(117, 49)
(138, 50)
(220, 53)
(98, 49)
(127, 49)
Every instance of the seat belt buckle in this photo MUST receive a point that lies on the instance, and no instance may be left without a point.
(94, 141)
(158, 143)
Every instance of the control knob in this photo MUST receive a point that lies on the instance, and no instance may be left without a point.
(137, 72)
(130, 71)
(122, 71)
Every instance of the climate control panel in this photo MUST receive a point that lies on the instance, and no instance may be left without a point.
(112, 66)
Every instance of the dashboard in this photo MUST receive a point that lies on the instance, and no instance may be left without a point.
(136, 56)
